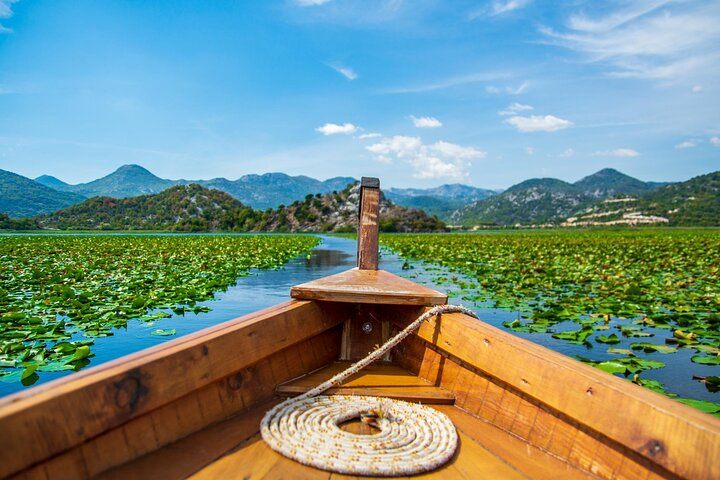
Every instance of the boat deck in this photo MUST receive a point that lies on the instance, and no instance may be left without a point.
(234, 449)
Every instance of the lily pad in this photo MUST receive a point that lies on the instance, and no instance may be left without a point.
(163, 333)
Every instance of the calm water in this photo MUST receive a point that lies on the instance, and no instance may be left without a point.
(266, 288)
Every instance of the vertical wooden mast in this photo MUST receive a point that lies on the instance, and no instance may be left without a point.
(367, 256)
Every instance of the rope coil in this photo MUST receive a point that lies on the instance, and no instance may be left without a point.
(413, 438)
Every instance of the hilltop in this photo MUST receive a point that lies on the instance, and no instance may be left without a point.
(22, 197)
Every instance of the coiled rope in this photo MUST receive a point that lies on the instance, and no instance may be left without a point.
(413, 438)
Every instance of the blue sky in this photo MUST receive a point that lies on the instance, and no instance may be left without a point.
(418, 93)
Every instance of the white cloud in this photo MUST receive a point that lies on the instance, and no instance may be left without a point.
(499, 8)
(660, 39)
(530, 150)
(508, 90)
(438, 160)
(687, 144)
(514, 109)
(697, 89)
(334, 128)
(450, 82)
(311, 3)
(6, 12)
(538, 123)
(618, 152)
(365, 136)
(569, 152)
(346, 72)
(426, 122)
(715, 141)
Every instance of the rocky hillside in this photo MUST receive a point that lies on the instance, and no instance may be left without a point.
(179, 208)
(695, 202)
(337, 212)
(196, 208)
(22, 197)
(549, 201)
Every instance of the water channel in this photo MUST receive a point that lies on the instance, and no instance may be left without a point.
(264, 288)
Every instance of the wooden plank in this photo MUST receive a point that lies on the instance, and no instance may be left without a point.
(104, 397)
(529, 460)
(382, 380)
(681, 439)
(368, 224)
(368, 286)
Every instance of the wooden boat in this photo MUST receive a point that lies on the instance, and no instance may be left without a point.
(192, 406)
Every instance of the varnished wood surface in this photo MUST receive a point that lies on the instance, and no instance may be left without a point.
(384, 380)
(56, 417)
(233, 449)
(368, 225)
(600, 422)
(368, 286)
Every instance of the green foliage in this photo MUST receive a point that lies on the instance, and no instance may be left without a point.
(53, 289)
(644, 283)
(22, 197)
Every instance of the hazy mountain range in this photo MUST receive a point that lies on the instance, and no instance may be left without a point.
(605, 197)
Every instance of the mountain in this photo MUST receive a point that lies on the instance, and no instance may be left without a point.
(126, 181)
(540, 201)
(196, 208)
(440, 201)
(271, 190)
(608, 182)
(337, 212)
(23, 197)
(179, 208)
(53, 182)
(695, 202)
(259, 191)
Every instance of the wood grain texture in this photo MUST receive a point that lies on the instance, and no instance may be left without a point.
(102, 398)
(383, 380)
(368, 286)
(583, 407)
(368, 226)
(216, 402)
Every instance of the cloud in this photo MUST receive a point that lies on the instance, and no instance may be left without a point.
(538, 123)
(426, 122)
(661, 39)
(687, 144)
(697, 89)
(6, 12)
(346, 72)
(438, 160)
(514, 109)
(365, 136)
(334, 129)
(508, 90)
(450, 82)
(530, 150)
(715, 141)
(569, 152)
(311, 3)
(618, 152)
(498, 8)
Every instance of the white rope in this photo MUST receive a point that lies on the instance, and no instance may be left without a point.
(412, 439)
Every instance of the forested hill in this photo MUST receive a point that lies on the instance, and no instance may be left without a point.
(196, 208)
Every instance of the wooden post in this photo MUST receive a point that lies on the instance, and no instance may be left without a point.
(368, 224)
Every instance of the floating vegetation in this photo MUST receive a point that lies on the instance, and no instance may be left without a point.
(660, 288)
(58, 293)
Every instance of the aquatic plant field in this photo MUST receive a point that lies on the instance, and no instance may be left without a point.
(635, 299)
(59, 293)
